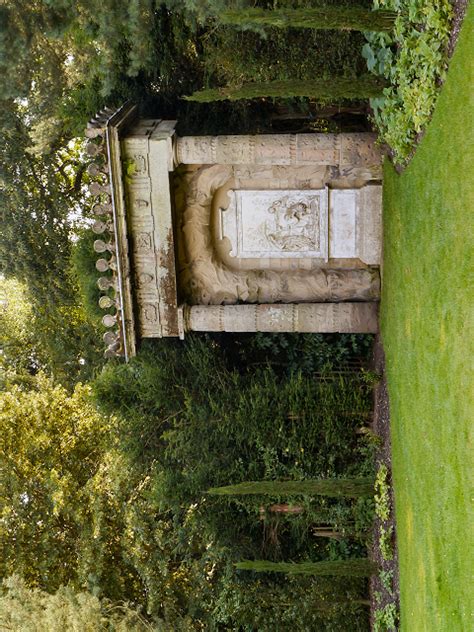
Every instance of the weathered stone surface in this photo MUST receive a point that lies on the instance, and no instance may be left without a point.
(359, 150)
(287, 224)
(356, 150)
(277, 224)
(209, 275)
(148, 150)
(297, 317)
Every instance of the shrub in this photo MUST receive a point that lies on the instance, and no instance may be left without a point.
(386, 618)
(177, 404)
(414, 59)
(24, 609)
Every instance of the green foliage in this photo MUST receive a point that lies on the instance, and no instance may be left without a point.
(386, 618)
(24, 609)
(277, 55)
(289, 424)
(386, 578)
(414, 60)
(251, 601)
(83, 259)
(309, 353)
(386, 542)
(178, 402)
(354, 567)
(323, 90)
(38, 200)
(329, 17)
(50, 446)
(383, 511)
(382, 495)
(338, 487)
(117, 504)
(19, 353)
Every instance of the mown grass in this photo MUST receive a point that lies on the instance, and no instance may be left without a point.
(428, 336)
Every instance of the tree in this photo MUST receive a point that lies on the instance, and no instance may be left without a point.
(51, 446)
(354, 18)
(335, 487)
(25, 609)
(20, 355)
(352, 567)
(325, 89)
(74, 511)
(40, 199)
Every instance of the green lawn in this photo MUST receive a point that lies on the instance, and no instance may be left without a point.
(428, 333)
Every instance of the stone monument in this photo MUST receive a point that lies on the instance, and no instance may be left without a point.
(233, 233)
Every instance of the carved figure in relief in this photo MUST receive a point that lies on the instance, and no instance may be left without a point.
(293, 227)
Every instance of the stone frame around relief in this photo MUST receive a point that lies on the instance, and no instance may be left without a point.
(208, 276)
(276, 223)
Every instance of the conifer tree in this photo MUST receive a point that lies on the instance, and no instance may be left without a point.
(361, 567)
(331, 17)
(336, 488)
(323, 89)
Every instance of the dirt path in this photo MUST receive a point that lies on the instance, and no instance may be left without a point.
(379, 596)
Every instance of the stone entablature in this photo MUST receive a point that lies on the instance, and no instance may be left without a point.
(344, 150)
(200, 225)
(146, 150)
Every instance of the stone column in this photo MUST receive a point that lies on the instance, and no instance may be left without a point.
(355, 150)
(295, 317)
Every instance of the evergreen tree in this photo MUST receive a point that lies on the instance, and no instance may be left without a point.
(331, 88)
(330, 17)
(352, 567)
(336, 488)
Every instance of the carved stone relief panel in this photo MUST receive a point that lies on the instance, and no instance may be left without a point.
(276, 224)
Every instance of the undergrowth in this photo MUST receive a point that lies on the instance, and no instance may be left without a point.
(414, 59)
(189, 419)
